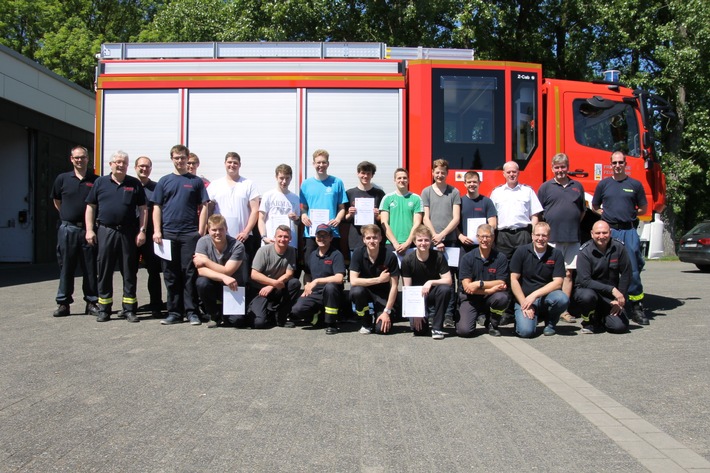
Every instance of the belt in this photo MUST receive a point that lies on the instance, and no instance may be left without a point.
(526, 228)
(73, 224)
(622, 226)
(118, 227)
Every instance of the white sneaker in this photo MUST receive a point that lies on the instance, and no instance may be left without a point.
(365, 331)
(437, 334)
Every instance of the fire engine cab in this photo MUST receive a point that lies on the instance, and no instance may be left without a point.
(276, 103)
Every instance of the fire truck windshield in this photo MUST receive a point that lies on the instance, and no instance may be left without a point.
(606, 125)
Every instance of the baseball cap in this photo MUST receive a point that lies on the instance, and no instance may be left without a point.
(324, 228)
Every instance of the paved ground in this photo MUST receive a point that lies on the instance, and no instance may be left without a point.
(83, 396)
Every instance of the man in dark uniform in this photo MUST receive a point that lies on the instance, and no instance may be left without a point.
(483, 273)
(474, 206)
(603, 277)
(112, 204)
(144, 166)
(374, 277)
(177, 198)
(69, 195)
(621, 199)
(324, 291)
(536, 274)
(364, 190)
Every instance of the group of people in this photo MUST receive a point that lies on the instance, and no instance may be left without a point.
(474, 260)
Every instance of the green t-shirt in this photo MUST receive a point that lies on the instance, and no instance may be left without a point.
(401, 209)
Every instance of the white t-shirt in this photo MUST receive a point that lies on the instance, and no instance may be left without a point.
(276, 206)
(232, 201)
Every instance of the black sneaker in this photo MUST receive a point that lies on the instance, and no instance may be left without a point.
(638, 314)
(449, 322)
(172, 319)
(131, 317)
(103, 317)
(494, 332)
(62, 311)
(331, 330)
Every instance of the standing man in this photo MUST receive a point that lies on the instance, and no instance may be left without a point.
(536, 274)
(427, 268)
(364, 190)
(518, 210)
(474, 205)
(177, 199)
(374, 277)
(193, 162)
(324, 291)
(144, 166)
(562, 201)
(401, 213)
(279, 207)
(620, 199)
(69, 195)
(237, 200)
(272, 282)
(112, 204)
(603, 277)
(321, 193)
(218, 258)
(483, 295)
(442, 214)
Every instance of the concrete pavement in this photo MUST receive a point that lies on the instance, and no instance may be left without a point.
(82, 396)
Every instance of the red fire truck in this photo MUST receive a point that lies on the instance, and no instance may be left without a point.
(276, 103)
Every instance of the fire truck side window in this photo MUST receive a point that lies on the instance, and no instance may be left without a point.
(524, 103)
(606, 125)
(468, 118)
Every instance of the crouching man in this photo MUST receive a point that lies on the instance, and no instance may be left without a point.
(603, 279)
(428, 268)
(483, 295)
(217, 258)
(536, 274)
(374, 276)
(273, 288)
(324, 291)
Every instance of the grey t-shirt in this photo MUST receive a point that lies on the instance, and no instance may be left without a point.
(441, 208)
(234, 251)
(273, 265)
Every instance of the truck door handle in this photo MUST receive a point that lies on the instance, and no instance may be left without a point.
(578, 173)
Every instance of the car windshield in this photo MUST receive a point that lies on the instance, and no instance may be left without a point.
(700, 228)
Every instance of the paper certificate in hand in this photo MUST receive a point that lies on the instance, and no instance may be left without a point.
(318, 216)
(163, 250)
(413, 302)
(365, 210)
(233, 301)
(472, 225)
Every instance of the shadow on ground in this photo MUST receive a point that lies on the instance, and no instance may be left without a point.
(16, 274)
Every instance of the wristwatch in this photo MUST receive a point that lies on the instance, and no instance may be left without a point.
(480, 284)
(142, 229)
(388, 311)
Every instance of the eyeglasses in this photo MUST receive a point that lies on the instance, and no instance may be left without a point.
(80, 157)
(484, 237)
(618, 163)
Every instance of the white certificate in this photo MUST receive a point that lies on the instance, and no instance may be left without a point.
(365, 210)
(233, 301)
(472, 225)
(413, 302)
(163, 250)
(318, 216)
(452, 256)
(277, 220)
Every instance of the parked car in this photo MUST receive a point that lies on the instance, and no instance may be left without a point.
(695, 246)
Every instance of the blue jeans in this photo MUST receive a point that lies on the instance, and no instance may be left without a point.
(550, 307)
(632, 243)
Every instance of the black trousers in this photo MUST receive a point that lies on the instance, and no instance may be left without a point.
(263, 312)
(152, 266)
(326, 298)
(594, 309)
(180, 274)
(117, 246)
(73, 250)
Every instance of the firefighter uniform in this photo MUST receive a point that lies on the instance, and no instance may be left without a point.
(72, 248)
(116, 206)
(324, 297)
(598, 273)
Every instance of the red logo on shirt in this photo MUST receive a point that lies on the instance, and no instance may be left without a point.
(187, 186)
(614, 260)
(328, 261)
(128, 189)
(550, 261)
(492, 270)
(89, 184)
